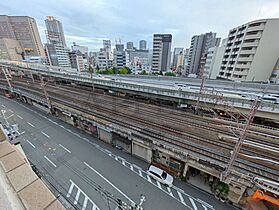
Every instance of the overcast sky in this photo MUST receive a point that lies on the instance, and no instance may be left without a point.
(88, 22)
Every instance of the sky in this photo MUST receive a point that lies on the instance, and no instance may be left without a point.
(88, 22)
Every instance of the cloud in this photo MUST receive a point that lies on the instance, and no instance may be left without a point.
(87, 21)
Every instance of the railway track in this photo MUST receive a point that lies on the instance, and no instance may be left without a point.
(154, 133)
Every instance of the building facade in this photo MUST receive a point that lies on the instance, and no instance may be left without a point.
(142, 45)
(161, 52)
(251, 51)
(119, 56)
(23, 29)
(77, 61)
(214, 60)
(274, 78)
(10, 49)
(198, 50)
(130, 46)
(55, 32)
(177, 51)
(57, 55)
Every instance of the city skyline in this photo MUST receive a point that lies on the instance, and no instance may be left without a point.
(88, 24)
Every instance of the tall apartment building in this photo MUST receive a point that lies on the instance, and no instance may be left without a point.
(251, 51)
(77, 61)
(10, 49)
(55, 32)
(198, 49)
(142, 45)
(177, 51)
(161, 52)
(23, 29)
(214, 60)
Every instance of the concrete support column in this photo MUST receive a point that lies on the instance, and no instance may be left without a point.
(105, 135)
(185, 169)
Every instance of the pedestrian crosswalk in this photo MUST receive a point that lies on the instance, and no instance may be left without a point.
(80, 199)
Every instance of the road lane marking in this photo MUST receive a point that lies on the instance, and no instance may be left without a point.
(193, 203)
(140, 173)
(84, 203)
(205, 208)
(31, 124)
(131, 167)
(11, 111)
(31, 143)
(54, 122)
(181, 198)
(159, 185)
(45, 134)
(70, 190)
(170, 192)
(149, 179)
(19, 116)
(77, 197)
(110, 183)
(64, 148)
(206, 204)
(50, 161)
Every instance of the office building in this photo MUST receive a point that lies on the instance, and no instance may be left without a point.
(198, 50)
(10, 49)
(57, 55)
(107, 45)
(130, 46)
(161, 52)
(251, 51)
(119, 56)
(180, 63)
(142, 45)
(214, 60)
(80, 48)
(177, 51)
(24, 30)
(103, 61)
(77, 61)
(55, 32)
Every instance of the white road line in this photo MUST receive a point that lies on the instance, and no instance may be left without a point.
(19, 116)
(109, 183)
(206, 204)
(11, 111)
(123, 162)
(159, 185)
(31, 124)
(193, 203)
(149, 179)
(77, 197)
(55, 123)
(140, 173)
(45, 134)
(131, 167)
(31, 143)
(61, 126)
(64, 148)
(205, 208)
(181, 198)
(70, 190)
(49, 161)
(170, 192)
(84, 203)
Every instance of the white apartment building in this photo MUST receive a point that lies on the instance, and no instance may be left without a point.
(251, 51)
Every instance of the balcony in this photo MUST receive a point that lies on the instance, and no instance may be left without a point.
(242, 66)
(250, 44)
(245, 58)
(247, 52)
(241, 73)
(253, 36)
(256, 28)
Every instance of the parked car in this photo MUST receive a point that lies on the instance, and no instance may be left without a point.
(160, 175)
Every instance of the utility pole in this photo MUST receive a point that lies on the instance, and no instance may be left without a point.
(43, 85)
(201, 75)
(4, 70)
(243, 134)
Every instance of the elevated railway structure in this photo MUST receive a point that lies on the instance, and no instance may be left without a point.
(175, 139)
(156, 90)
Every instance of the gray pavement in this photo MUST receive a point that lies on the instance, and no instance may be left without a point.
(89, 172)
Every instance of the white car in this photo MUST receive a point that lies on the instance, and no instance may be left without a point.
(160, 175)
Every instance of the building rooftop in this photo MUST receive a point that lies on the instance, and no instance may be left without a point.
(20, 187)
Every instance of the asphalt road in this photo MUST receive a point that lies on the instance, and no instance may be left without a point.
(91, 174)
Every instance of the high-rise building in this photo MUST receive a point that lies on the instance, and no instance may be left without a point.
(161, 52)
(57, 55)
(213, 60)
(55, 32)
(251, 51)
(274, 78)
(10, 49)
(77, 61)
(107, 45)
(177, 51)
(119, 56)
(24, 30)
(142, 45)
(130, 46)
(82, 49)
(198, 49)
(102, 60)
